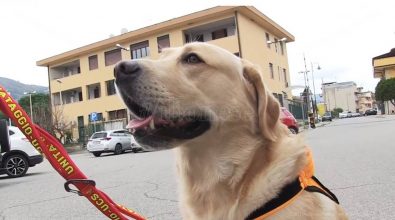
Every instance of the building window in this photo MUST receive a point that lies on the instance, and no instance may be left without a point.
(194, 38)
(219, 34)
(117, 114)
(267, 39)
(279, 73)
(80, 121)
(112, 57)
(282, 47)
(275, 44)
(280, 99)
(93, 64)
(285, 77)
(163, 42)
(110, 87)
(94, 91)
(139, 50)
(271, 70)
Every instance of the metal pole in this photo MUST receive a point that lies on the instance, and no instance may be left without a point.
(308, 84)
(61, 100)
(303, 115)
(60, 91)
(315, 98)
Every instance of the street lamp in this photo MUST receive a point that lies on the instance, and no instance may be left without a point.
(122, 48)
(31, 107)
(315, 98)
(306, 93)
(60, 92)
(276, 41)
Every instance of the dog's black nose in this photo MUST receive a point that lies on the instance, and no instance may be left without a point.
(127, 69)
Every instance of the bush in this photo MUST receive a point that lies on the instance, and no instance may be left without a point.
(336, 111)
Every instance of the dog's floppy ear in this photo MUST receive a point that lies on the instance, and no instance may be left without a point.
(268, 107)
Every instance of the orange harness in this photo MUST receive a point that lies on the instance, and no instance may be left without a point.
(290, 192)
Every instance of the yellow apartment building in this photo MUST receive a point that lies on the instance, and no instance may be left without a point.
(366, 100)
(81, 80)
(384, 68)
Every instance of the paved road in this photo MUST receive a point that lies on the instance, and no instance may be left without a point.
(354, 157)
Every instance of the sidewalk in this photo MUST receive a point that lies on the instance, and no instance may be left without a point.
(307, 127)
(74, 149)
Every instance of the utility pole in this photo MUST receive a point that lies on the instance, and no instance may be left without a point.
(307, 84)
(31, 106)
(315, 97)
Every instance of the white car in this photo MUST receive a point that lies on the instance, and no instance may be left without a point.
(117, 141)
(345, 114)
(21, 154)
(355, 114)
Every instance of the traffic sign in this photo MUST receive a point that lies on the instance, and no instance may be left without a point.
(94, 116)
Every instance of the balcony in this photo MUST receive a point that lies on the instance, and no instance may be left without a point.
(65, 70)
(68, 96)
(212, 31)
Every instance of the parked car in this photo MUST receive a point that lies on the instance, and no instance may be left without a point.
(371, 112)
(347, 114)
(116, 141)
(327, 116)
(355, 114)
(318, 118)
(343, 115)
(289, 120)
(20, 155)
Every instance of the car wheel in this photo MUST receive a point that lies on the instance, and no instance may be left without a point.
(4, 137)
(293, 130)
(16, 165)
(118, 149)
(96, 154)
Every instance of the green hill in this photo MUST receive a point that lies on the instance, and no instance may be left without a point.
(16, 89)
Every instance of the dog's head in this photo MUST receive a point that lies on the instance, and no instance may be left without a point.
(194, 91)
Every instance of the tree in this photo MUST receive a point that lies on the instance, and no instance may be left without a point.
(41, 109)
(385, 90)
(60, 126)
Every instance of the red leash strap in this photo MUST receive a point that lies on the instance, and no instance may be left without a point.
(61, 161)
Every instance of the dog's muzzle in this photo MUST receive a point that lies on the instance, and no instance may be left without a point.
(126, 71)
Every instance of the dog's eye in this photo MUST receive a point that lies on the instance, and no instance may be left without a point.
(192, 59)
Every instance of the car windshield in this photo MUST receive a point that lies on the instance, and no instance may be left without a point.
(99, 135)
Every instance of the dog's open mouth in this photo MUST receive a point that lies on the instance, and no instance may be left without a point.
(179, 127)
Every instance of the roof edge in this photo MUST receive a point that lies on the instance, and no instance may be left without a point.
(168, 24)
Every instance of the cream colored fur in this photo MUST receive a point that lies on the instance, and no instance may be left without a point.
(247, 155)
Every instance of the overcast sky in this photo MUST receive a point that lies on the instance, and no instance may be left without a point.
(340, 36)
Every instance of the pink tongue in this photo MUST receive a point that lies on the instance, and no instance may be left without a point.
(139, 123)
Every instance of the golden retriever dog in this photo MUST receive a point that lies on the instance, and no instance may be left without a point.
(233, 154)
